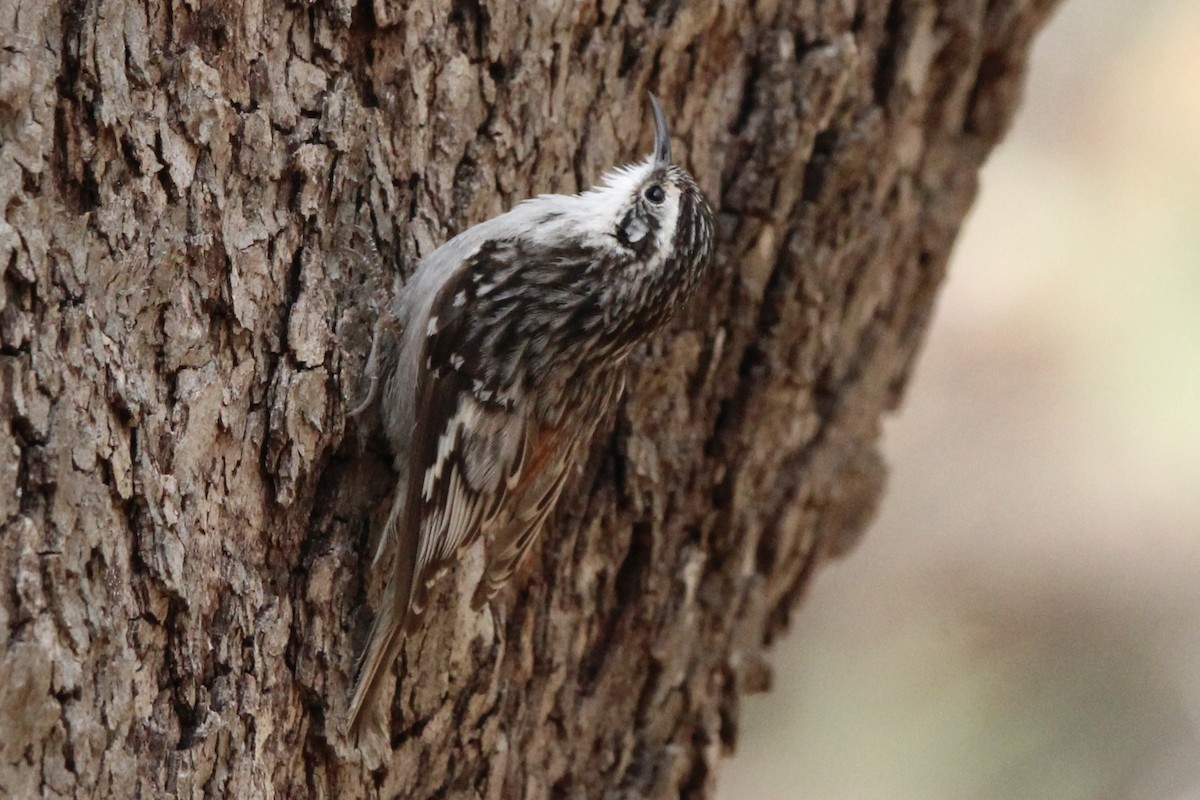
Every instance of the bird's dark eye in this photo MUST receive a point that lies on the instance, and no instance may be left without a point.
(655, 193)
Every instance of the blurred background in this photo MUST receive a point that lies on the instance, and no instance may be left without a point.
(1023, 619)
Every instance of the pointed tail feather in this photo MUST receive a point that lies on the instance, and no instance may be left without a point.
(383, 644)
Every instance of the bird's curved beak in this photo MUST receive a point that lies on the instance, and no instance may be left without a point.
(662, 140)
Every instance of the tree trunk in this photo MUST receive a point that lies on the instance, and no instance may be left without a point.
(186, 509)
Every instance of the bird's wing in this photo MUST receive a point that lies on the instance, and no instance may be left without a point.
(552, 451)
(533, 497)
(467, 448)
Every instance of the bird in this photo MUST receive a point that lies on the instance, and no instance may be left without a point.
(495, 363)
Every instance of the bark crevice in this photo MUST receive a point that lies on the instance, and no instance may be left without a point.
(186, 513)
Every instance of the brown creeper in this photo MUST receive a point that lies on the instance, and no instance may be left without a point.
(503, 352)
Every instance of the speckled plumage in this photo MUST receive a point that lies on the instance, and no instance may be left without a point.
(505, 350)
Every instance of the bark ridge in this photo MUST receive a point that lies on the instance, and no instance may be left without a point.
(185, 511)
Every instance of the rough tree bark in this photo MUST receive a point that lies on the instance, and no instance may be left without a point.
(186, 509)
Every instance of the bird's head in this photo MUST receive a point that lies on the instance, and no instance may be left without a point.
(654, 209)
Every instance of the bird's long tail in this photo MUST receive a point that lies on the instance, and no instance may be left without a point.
(383, 646)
